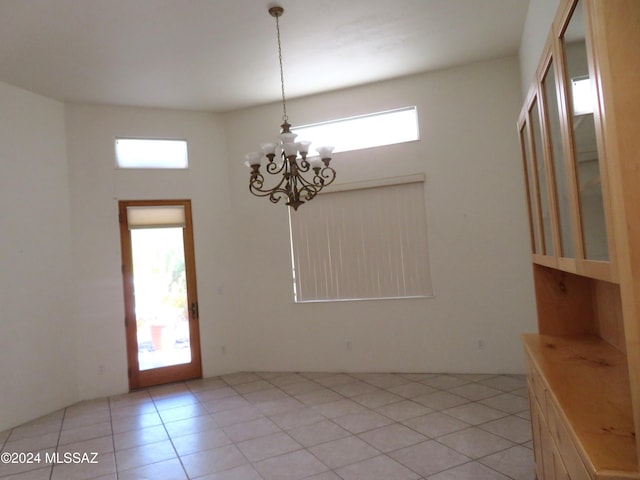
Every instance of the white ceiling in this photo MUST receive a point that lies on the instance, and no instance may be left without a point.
(221, 55)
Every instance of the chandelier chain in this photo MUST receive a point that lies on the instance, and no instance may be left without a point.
(285, 118)
(281, 158)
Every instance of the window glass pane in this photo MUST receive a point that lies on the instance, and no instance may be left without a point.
(542, 180)
(355, 133)
(582, 98)
(151, 153)
(555, 138)
(160, 286)
(530, 172)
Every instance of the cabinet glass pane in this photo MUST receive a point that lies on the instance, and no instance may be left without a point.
(538, 155)
(530, 173)
(581, 100)
(555, 139)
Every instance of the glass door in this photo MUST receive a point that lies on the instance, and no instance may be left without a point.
(161, 317)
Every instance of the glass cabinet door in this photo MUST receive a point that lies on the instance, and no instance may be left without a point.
(554, 135)
(581, 100)
(531, 186)
(543, 191)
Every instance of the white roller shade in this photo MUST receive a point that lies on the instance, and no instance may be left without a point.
(156, 216)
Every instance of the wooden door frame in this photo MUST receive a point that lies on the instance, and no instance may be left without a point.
(157, 376)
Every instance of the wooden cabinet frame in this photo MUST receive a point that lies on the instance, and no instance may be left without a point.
(616, 46)
(584, 364)
(553, 52)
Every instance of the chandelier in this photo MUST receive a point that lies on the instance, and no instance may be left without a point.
(280, 159)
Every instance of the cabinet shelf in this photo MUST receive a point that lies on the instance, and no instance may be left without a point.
(586, 385)
(599, 269)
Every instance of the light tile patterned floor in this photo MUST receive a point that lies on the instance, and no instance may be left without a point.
(289, 426)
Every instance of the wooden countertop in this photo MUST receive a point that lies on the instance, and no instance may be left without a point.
(588, 381)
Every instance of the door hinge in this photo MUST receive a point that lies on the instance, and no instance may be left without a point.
(129, 372)
(194, 310)
(125, 322)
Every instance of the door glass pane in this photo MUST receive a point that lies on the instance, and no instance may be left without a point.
(581, 101)
(530, 172)
(542, 180)
(555, 139)
(160, 290)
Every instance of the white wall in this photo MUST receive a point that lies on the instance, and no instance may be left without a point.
(96, 187)
(536, 30)
(479, 246)
(37, 335)
(62, 326)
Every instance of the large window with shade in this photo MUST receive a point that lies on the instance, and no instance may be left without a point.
(363, 243)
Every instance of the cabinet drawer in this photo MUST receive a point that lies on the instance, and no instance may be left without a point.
(553, 419)
(536, 431)
(536, 387)
(566, 446)
(559, 470)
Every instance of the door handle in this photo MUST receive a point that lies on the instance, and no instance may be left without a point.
(194, 309)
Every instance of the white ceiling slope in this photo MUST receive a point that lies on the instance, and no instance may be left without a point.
(221, 55)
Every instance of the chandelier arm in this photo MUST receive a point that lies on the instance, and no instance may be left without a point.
(258, 192)
(277, 195)
(312, 188)
(320, 179)
(304, 165)
(256, 185)
(303, 181)
(274, 194)
(256, 181)
(311, 191)
(273, 168)
(328, 173)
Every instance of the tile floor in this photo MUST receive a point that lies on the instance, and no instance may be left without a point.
(288, 426)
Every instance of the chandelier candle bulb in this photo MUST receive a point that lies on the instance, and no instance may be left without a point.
(252, 158)
(325, 152)
(268, 148)
(303, 148)
(316, 163)
(288, 137)
(281, 158)
(290, 149)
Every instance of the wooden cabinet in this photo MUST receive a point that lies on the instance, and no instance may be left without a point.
(580, 140)
(580, 387)
(563, 147)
